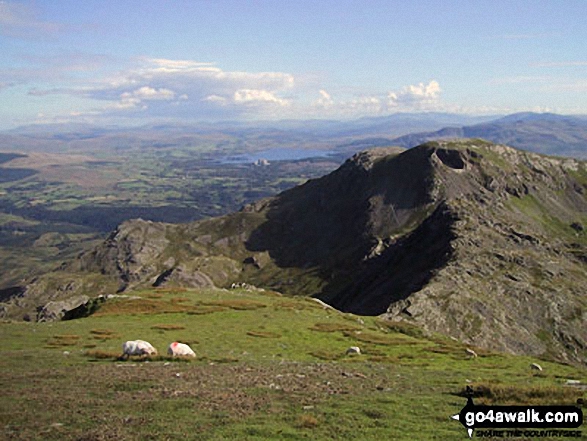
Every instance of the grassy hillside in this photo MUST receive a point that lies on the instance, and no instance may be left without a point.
(268, 367)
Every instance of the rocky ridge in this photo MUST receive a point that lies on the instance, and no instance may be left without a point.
(475, 240)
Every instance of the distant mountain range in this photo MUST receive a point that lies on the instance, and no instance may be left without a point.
(536, 132)
(243, 136)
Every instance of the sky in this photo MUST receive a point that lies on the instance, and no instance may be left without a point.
(132, 62)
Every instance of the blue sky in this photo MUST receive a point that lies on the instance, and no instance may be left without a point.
(132, 62)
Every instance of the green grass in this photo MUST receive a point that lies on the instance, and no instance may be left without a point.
(267, 367)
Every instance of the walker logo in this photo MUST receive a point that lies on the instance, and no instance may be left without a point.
(515, 420)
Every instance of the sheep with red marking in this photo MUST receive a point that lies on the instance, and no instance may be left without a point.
(176, 349)
(137, 347)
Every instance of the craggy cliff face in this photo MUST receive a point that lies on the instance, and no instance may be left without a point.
(475, 240)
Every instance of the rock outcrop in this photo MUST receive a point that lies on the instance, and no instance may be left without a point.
(479, 241)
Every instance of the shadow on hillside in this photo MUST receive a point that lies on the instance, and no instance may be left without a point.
(331, 224)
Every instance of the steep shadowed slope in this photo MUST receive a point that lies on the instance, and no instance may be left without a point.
(476, 240)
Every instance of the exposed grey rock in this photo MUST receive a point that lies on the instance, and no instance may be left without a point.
(53, 311)
(477, 241)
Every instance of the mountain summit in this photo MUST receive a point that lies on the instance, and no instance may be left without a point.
(471, 239)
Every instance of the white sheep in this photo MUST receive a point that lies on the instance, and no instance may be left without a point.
(137, 347)
(353, 350)
(471, 353)
(176, 349)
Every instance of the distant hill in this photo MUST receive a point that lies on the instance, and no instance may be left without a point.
(536, 132)
(475, 240)
(239, 136)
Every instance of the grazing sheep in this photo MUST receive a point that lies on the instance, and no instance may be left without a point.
(353, 350)
(176, 349)
(137, 347)
(323, 304)
(536, 367)
(471, 353)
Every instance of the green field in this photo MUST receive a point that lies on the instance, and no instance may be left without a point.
(267, 367)
(86, 197)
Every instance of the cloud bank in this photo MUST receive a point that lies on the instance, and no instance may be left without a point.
(192, 90)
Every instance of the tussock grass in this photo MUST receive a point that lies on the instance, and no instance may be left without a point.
(334, 327)
(103, 355)
(63, 340)
(490, 393)
(202, 310)
(296, 305)
(140, 306)
(307, 421)
(154, 296)
(244, 386)
(103, 334)
(327, 355)
(263, 334)
(403, 328)
(168, 327)
(175, 289)
(383, 359)
(377, 339)
(237, 304)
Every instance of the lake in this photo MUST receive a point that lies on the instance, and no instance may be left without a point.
(277, 154)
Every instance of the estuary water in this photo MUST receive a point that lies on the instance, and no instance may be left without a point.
(277, 154)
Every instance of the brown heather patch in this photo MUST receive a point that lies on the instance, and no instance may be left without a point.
(294, 306)
(237, 304)
(201, 310)
(443, 349)
(263, 334)
(154, 296)
(171, 289)
(62, 340)
(140, 306)
(168, 327)
(377, 339)
(179, 299)
(334, 327)
(103, 334)
(307, 422)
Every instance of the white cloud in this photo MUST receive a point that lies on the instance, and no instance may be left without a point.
(187, 89)
(215, 99)
(325, 101)
(255, 96)
(417, 95)
(149, 93)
